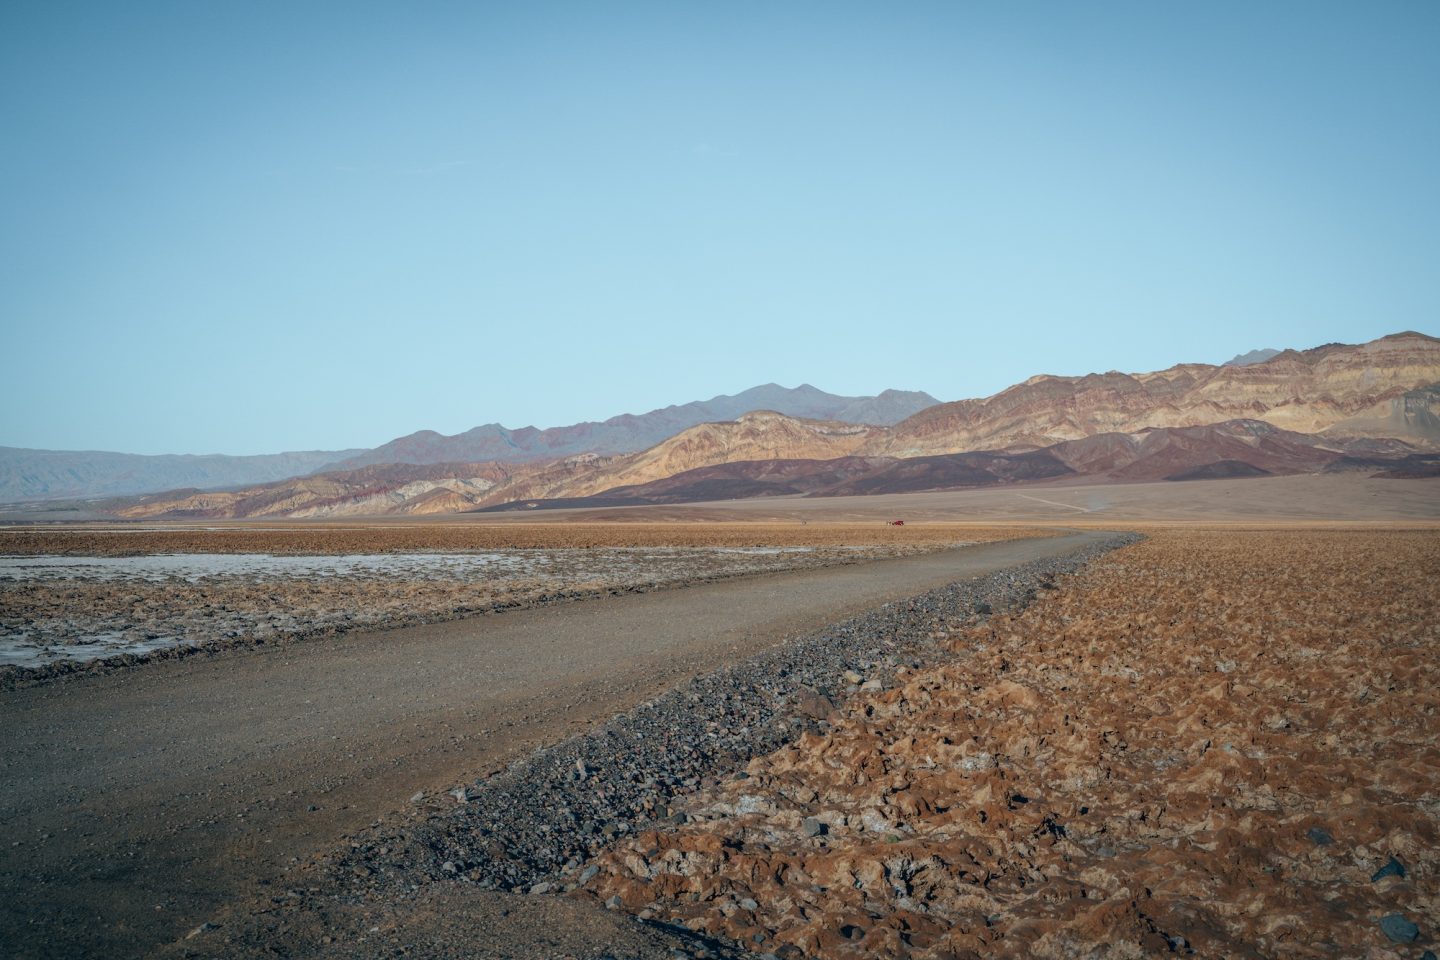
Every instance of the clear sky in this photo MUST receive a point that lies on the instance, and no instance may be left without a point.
(246, 227)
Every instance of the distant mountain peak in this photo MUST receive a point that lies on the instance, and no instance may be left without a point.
(1253, 357)
(628, 433)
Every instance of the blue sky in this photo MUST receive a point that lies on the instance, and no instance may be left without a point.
(249, 227)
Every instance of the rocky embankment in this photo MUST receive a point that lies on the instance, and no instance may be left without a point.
(536, 826)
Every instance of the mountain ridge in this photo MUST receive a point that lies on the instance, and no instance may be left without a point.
(29, 474)
(1307, 391)
(1351, 398)
(1156, 453)
(630, 433)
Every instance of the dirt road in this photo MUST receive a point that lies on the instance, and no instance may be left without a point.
(137, 803)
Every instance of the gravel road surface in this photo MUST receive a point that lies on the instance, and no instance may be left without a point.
(138, 803)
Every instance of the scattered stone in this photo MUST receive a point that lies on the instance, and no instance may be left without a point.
(1399, 928)
(588, 874)
(812, 827)
(812, 704)
(543, 887)
(1320, 836)
(1394, 868)
(418, 797)
(205, 927)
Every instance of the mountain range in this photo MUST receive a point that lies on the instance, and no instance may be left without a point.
(1371, 406)
(60, 474)
(628, 433)
(55, 474)
(1335, 389)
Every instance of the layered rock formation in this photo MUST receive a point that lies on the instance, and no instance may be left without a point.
(371, 491)
(1239, 448)
(1307, 391)
(1414, 415)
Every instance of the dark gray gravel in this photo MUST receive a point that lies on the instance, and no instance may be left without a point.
(1399, 928)
(533, 826)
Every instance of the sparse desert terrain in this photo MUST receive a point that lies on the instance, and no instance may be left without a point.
(422, 536)
(104, 600)
(1208, 744)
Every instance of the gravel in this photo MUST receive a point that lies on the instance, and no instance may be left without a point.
(537, 822)
(1399, 928)
(1393, 868)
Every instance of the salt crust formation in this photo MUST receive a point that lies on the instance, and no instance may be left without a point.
(74, 621)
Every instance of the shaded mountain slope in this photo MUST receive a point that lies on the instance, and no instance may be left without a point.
(1413, 415)
(1221, 470)
(1159, 452)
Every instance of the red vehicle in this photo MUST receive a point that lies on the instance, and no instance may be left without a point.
(897, 523)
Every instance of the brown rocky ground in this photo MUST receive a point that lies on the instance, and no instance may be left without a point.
(1209, 744)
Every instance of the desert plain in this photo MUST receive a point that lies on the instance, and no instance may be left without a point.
(1123, 721)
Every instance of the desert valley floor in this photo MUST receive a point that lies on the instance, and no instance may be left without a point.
(1133, 720)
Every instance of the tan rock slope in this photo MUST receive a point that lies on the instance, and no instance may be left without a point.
(1306, 391)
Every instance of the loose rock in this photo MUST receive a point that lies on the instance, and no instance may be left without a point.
(1399, 928)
